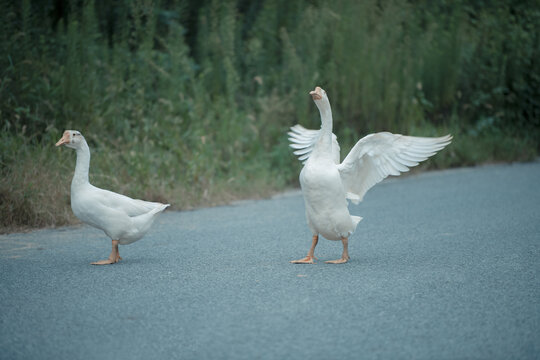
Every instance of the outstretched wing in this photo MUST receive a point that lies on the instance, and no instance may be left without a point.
(378, 155)
(303, 140)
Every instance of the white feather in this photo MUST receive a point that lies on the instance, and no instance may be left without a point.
(120, 217)
(326, 183)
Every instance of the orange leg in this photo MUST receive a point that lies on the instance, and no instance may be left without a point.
(114, 257)
(345, 256)
(311, 253)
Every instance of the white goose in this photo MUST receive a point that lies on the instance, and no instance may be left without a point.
(123, 219)
(326, 184)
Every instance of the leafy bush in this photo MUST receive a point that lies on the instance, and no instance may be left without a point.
(190, 102)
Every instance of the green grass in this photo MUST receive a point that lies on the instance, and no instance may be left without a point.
(190, 103)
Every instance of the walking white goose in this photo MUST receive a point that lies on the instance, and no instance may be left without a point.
(327, 184)
(123, 219)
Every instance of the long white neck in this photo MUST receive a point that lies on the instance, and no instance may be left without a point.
(324, 144)
(83, 164)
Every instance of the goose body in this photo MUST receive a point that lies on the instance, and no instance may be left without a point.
(119, 216)
(123, 219)
(325, 200)
(327, 184)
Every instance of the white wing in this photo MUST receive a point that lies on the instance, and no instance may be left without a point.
(378, 155)
(131, 207)
(303, 140)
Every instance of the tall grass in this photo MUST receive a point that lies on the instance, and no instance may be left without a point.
(190, 102)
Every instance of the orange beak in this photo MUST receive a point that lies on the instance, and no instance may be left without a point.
(65, 139)
(316, 94)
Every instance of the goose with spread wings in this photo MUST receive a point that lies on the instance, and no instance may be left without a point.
(327, 184)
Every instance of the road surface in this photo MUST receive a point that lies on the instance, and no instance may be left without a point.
(444, 265)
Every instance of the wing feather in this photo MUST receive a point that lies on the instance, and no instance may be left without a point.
(303, 140)
(131, 207)
(376, 156)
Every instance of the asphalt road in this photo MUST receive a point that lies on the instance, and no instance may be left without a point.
(445, 265)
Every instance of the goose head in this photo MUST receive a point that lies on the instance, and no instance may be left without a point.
(321, 99)
(72, 139)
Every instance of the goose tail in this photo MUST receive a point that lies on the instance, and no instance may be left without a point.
(142, 223)
(355, 220)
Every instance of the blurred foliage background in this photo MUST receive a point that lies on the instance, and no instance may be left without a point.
(189, 102)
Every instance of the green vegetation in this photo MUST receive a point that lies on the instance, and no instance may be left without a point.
(189, 102)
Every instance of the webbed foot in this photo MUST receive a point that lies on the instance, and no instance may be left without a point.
(338, 261)
(307, 260)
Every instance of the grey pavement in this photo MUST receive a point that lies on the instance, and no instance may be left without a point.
(445, 265)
